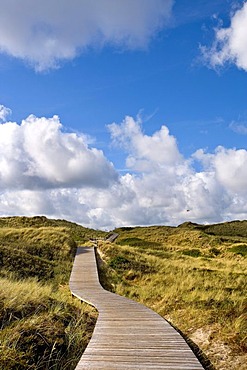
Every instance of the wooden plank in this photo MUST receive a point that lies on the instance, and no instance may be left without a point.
(127, 334)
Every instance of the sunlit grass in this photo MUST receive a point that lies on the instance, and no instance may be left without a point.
(42, 327)
(194, 276)
(194, 279)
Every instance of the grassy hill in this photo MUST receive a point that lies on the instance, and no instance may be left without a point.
(42, 327)
(194, 276)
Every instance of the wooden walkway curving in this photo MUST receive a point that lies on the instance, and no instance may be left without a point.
(127, 334)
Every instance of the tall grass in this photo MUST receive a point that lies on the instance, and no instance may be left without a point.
(197, 280)
(79, 233)
(42, 327)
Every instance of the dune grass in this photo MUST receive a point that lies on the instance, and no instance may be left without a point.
(193, 276)
(42, 327)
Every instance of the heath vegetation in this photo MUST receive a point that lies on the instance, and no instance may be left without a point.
(194, 276)
(42, 327)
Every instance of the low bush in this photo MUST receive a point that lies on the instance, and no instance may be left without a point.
(192, 252)
(240, 249)
(137, 242)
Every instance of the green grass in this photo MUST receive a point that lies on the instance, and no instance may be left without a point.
(193, 275)
(79, 233)
(39, 247)
(42, 327)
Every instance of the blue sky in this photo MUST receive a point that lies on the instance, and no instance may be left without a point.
(115, 73)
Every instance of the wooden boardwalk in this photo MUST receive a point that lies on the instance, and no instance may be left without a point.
(127, 334)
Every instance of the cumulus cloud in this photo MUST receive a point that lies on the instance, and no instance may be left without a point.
(229, 167)
(44, 171)
(159, 150)
(230, 44)
(49, 31)
(38, 154)
(166, 186)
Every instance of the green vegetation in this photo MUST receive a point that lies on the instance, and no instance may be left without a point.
(240, 249)
(42, 327)
(194, 276)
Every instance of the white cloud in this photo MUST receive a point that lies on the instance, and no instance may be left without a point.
(37, 154)
(158, 150)
(4, 113)
(45, 32)
(46, 171)
(231, 169)
(167, 186)
(230, 44)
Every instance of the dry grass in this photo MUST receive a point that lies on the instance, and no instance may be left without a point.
(194, 279)
(194, 276)
(42, 327)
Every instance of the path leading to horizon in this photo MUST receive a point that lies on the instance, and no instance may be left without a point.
(127, 334)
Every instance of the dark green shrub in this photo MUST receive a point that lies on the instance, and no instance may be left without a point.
(137, 242)
(214, 251)
(192, 252)
(121, 263)
(240, 249)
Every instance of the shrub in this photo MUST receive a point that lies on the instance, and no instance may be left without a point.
(192, 252)
(137, 242)
(121, 263)
(240, 249)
